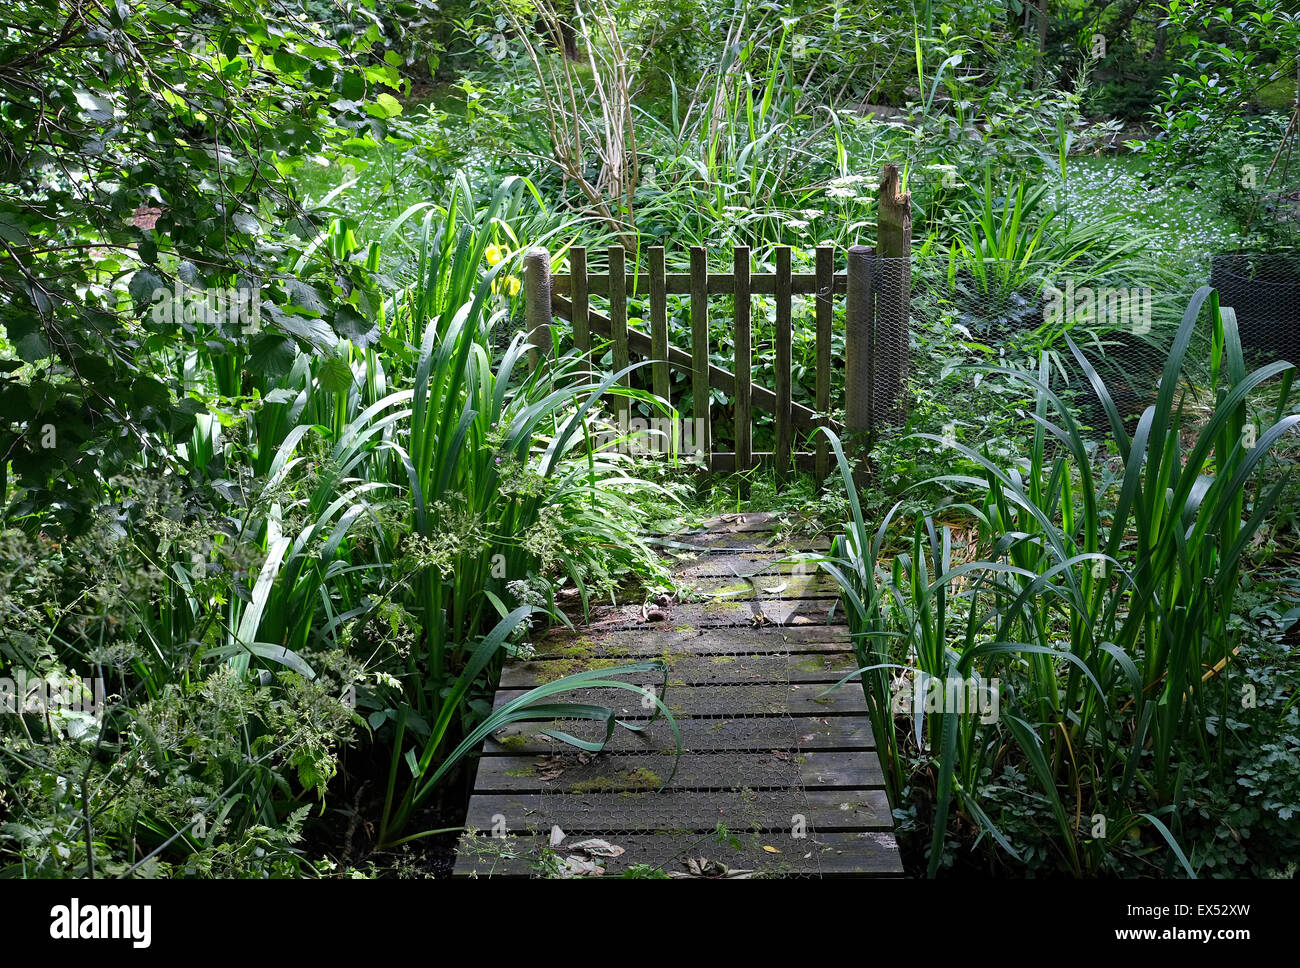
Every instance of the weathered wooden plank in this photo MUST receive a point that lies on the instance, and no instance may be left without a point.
(738, 523)
(695, 669)
(778, 542)
(618, 320)
(761, 612)
(759, 564)
(723, 699)
(863, 854)
(774, 729)
(784, 364)
(825, 314)
(683, 811)
(744, 362)
(700, 368)
(561, 772)
(812, 583)
(659, 638)
(659, 325)
(698, 735)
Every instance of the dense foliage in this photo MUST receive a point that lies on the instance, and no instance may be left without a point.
(277, 469)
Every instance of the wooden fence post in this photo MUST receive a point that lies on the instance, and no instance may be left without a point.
(893, 296)
(858, 325)
(537, 304)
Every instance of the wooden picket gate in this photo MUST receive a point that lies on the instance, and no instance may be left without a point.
(875, 285)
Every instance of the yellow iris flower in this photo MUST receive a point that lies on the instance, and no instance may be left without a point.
(506, 285)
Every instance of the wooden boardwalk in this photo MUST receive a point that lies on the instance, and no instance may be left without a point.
(778, 778)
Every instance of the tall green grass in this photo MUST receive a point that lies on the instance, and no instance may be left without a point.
(1101, 601)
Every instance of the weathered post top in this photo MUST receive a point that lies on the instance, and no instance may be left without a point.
(894, 215)
(537, 303)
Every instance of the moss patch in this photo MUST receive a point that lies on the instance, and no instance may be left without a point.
(624, 781)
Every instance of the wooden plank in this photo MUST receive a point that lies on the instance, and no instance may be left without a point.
(581, 325)
(700, 811)
(748, 521)
(759, 564)
(659, 325)
(724, 700)
(659, 638)
(698, 735)
(825, 315)
(618, 322)
(784, 364)
(568, 773)
(812, 584)
(838, 854)
(680, 359)
(714, 542)
(764, 612)
(700, 369)
(744, 367)
(695, 670)
(719, 283)
(775, 739)
(770, 544)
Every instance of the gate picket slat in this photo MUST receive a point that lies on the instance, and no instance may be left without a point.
(578, 284)
(744, 361)
(784, 362)
(618, 318)
(825, 313)
(659, 324)
(700, 347)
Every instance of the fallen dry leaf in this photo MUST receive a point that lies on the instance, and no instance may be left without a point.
(580, 867)
(598, 848)
(703, 867)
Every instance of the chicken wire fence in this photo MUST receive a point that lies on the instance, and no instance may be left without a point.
(969, 317)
